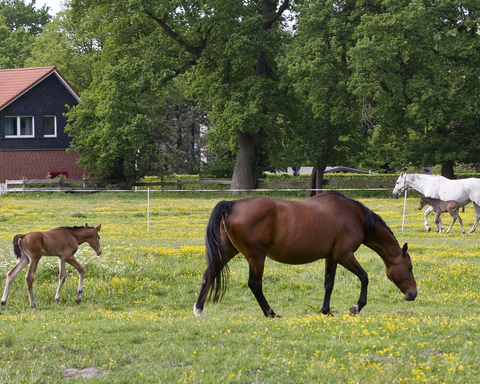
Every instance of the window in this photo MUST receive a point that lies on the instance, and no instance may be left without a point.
(49, 126)
(19, 126)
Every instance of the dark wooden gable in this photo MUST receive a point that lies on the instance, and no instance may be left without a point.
(49, 97)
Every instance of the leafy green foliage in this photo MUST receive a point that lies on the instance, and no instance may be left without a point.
(418, 64)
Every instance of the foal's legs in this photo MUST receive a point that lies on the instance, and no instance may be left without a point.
(455, 216)
(74, 263)
(330, 271)
(30, 278)
(351, 263)
(62, 275)
(21, 263)
(425, 215)
(438, 221)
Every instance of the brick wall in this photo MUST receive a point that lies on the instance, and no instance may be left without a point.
(14, 165)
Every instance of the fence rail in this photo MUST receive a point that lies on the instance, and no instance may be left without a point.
(95, 185)
(66, 185)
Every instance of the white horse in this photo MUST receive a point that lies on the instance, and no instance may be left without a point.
(462, 191)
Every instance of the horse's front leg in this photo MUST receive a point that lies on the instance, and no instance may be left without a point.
(351, 263)
(74, 263)
(330, 271)
(21, 263)
(257, 265)
(427, 212)
(438, 222)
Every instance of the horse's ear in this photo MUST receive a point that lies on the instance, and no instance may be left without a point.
(86, 225)
(405, 249)
(98, 227)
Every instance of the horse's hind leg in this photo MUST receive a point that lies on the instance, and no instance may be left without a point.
(477, 218)
(255, 284)
(74, 263)
(21, 263)
(62, 274)
(30, 278)
(330, 271)
(230, 252)
(455, 216)
(460, 221)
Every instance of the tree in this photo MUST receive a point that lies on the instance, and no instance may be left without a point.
(72, 50)
(15, 46)
(19, 15)
(419, 64)
(19, 24)
(318, 61)
(127, 125)
(226, 49)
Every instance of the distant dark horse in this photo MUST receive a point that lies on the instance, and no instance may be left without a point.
(329, 226)
(439, 207)
(62, 242)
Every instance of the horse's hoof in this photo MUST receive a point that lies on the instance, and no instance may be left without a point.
(197, 312)
(354, 310)
(428, 230)
(78, 301)
(328, 314)
(271, 314)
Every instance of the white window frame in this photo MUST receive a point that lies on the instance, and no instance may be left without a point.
(54, 126)
(18, 135)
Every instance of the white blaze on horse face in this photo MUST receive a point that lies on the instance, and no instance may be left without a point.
(400, 185)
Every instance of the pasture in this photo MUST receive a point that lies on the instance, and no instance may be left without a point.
(136, 324)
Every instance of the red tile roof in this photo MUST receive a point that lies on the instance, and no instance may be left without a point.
(15, 82)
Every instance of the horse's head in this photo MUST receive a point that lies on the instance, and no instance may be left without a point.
(400, 272)
(93, 239)
(400, 185)
(422, 203)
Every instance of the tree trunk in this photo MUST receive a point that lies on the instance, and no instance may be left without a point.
(316, 180)
(447, 171)
(244, 171)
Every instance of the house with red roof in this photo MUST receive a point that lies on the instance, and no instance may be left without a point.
(33, 142)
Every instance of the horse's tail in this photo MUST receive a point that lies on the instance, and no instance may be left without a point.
(16, 245)
(216, 274)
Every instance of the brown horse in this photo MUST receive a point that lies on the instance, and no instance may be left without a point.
(329, 226)
(439, 207)
(62, 242)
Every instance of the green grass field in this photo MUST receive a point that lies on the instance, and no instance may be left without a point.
(136, 323)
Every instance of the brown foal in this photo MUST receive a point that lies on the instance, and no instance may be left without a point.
(439, 207)
(62, 242)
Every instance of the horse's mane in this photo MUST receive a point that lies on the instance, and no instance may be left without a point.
(372, 220)
(73, 228)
